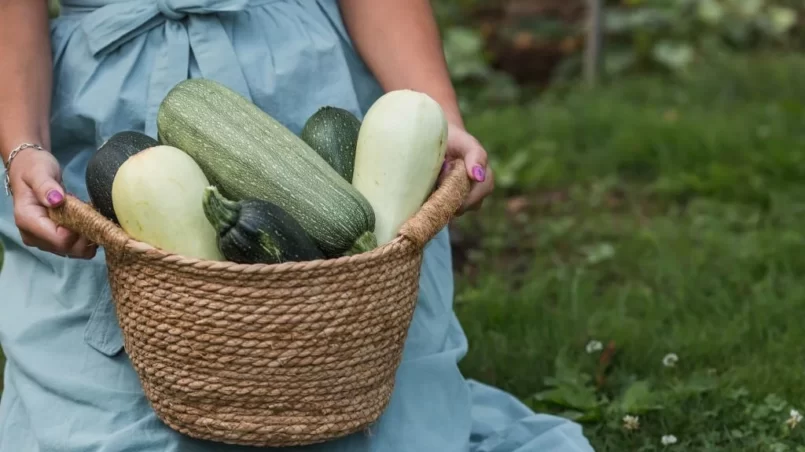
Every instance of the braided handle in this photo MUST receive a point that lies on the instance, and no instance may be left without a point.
(440, 207)
(81, 218)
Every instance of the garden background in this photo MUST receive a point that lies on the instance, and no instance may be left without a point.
(638, 268)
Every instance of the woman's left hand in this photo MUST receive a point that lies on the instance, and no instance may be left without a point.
(463, 146)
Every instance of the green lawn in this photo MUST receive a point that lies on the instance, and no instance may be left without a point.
(653, 217)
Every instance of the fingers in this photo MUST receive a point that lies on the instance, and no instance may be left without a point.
(463, 146)
(83, 249)
(479, 192)
(36, 227)
(47, 189)
(473, 154)
(65, 243)
(39, 231)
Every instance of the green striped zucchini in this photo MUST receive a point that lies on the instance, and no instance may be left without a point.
(248, 154)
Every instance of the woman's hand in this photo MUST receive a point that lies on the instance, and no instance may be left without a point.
(463, 146)
(400, 43)
(36, 185)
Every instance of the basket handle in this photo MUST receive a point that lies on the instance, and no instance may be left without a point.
(437, 211)
(81, 218)
(440, 207)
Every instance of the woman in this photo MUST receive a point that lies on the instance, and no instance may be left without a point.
(104, 67)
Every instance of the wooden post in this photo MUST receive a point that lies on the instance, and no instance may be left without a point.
(594, 45)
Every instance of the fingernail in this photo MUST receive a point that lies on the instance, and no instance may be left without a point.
(54, 197)
(479, 173)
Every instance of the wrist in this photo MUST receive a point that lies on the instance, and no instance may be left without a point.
(7, 146)
(450, 108)
(12, 157)
(453, 116)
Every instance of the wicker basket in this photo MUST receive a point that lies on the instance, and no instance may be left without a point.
(267, 355)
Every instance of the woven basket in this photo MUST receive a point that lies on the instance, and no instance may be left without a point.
(267, 355)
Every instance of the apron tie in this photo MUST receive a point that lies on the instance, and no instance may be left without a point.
(189, 25)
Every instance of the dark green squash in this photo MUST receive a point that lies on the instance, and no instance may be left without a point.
(333, 133)
(104, 163)
(254, 231)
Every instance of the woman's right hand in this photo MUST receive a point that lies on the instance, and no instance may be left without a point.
(35, 178)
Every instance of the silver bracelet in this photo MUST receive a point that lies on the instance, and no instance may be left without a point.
(11, 156)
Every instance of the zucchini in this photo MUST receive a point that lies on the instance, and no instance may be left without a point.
(248, 154)
(157, 196)
(401, 148)
(333, 133)
(255, 231)
(104, 163)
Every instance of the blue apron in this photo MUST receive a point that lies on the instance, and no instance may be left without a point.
(68, 383)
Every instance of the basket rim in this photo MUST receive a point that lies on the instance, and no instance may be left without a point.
(434, 214)
(136, 247)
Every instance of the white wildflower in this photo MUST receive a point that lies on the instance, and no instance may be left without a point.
(794, 419)
(631, 422)
(670, 360)
(594, 346)
(667, 440)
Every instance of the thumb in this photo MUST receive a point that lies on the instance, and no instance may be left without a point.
(47, 189)
(475, 159)
(464, 146)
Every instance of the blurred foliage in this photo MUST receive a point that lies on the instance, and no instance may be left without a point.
(499, 52)
(480, 86)
(541, 41)
(54, 8)
(674, 34)
(736, 137)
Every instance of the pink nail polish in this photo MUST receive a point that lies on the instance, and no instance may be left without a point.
(479, 173)
(54, 197)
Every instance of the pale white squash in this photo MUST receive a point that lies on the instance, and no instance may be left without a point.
(157, 197)
(400, 151)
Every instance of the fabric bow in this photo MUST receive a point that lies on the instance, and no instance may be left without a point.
(189, 24)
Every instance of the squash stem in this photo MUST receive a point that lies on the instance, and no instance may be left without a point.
(222, 213)
(366, 242)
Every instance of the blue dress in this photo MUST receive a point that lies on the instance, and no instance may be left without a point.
(69, 385)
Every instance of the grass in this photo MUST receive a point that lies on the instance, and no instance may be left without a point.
(654, 218)
(650, 217)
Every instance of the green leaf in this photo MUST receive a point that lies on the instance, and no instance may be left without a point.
(781, 19)
(639, 398)
(738, 393)
(599, 252)
(749, 9)
(644, 18)
(710, 12)
(573, 415)
(593, 415)
(567, 396)
(463, 48)
(779, 447)
(677, 56)
(507, 172)
(54, 8)
(698, 383)
(775, 403)
(617, 61)
(570, 388)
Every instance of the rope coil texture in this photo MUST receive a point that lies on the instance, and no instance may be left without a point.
(267, 355)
